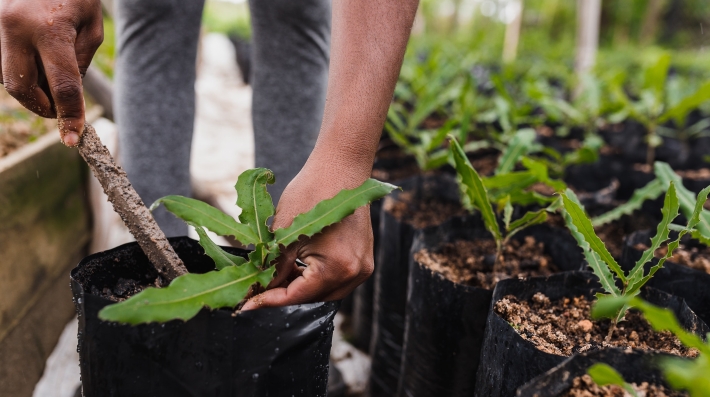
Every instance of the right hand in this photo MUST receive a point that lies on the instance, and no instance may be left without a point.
(45, 48)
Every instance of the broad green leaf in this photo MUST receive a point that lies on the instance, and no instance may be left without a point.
(670, 212)
(220, 257)
(539, 169)
(472, 186)
(510, 181)
(331, 211)
(529, 219)
(583, 225)
(202, 214)
(690, 375)
(517, 147)
(255, 201)
(187, 295)
(604, 375)
(656, 75)
(649, 192)
(665, 173)
(680, 111)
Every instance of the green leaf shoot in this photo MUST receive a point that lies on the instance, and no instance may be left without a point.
(255, 201)
(331, 211)
(604, 375)
(235, 275)
(200, 213)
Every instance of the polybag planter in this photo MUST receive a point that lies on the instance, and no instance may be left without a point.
(636, 366)
(264, 352)
(511, 361)
(391, 275)
(682, 281)
(445, 321)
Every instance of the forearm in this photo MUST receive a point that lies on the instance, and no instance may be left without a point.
(369, 38)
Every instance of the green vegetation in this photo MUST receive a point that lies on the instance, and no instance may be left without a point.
(605, 266)
(230, 283)
(680, 373)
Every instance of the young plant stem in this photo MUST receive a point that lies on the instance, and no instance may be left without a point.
(650, 148)
(498, 264)
(130, 207)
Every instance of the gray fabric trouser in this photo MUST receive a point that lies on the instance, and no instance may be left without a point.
(155, 94)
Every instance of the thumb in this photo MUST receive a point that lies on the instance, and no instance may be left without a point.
(309, 287)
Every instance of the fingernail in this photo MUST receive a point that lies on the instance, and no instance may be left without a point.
(71, 139)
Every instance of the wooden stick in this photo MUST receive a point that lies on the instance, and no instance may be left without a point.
(129, 206)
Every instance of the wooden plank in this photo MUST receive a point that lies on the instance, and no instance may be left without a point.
(44, 231)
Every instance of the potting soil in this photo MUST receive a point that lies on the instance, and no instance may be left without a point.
(584, 386)
(421, 213)
(472, 262)
(564, 327)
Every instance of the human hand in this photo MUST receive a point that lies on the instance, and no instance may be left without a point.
(46, 47)
(339, 259)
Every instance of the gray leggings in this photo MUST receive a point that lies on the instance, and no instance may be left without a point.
(155, 93)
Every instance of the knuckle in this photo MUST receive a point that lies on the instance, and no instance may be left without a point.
(367, 270)
(67, 93)
(351, 271)
(15, 89)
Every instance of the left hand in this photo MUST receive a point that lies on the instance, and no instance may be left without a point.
(339, 258)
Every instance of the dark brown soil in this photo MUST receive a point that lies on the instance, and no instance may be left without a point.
(612, 235)
(564, 327)
(422, 213)
(485, 165)
(697, 258)
(124, 289)
(584, 386)
(471, 262)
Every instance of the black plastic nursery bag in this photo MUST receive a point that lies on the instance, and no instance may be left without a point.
(265, 352)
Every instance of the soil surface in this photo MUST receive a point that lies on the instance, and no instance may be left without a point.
(471, 262)
(697, 258)
(564, 327)
(584, 386)
(612, 234)
(423, 213)
(124, 289)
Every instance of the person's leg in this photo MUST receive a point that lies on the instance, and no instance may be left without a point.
(289, 79)
(155, 97)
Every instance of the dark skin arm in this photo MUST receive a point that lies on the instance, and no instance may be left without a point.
(368, 43)
(46, 47)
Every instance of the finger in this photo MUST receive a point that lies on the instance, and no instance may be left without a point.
(310, 287)
(20, 77)
(285, 267)
(62, 71)
(88, 40)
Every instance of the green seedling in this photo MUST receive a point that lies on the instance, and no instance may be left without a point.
(664, 176)
(229, 284)
(680, 373)
(605, 266)
(475, 196)
(655, 106)
(604, 375)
